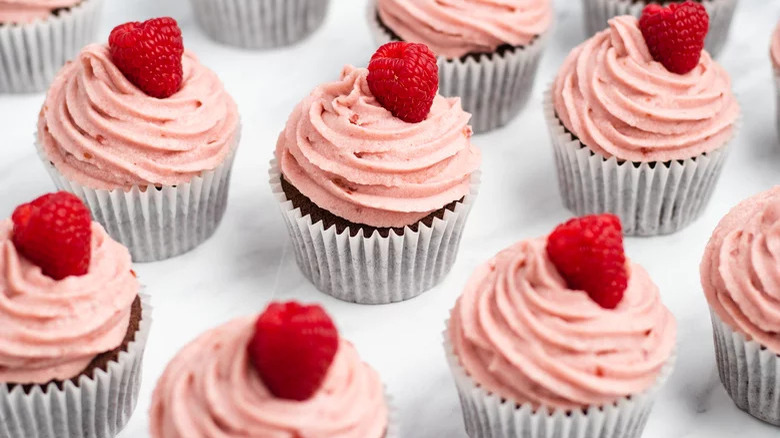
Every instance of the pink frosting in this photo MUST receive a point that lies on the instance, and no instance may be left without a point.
(740, 271)
(520, 333)
(620, 102)
(775, 47)
(101, 131)
(51, 330)
(210, 389)
(27, 11)
(454, 28)
(352, 157)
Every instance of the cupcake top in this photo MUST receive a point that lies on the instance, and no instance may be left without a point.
(775, 47)
(740, 271)
(617, 100)
(523, 333)
(27, 11)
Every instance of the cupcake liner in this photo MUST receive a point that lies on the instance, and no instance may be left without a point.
(32, 54)
(749, 372)
(259, 24)
(650, 198)
(157, 223)
(95, 407)
(487, 415)
(494, 87)
(598, 12)
(375, 269)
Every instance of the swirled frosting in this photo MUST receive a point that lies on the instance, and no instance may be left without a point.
(454, 28)
(52, 329)
(352, 157)
(210, 389)
(520, 333)
(27, 11)
(740, 271)
(775, 47)
(100, 130)
(619, 102)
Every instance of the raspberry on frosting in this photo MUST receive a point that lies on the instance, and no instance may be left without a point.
(675, 34)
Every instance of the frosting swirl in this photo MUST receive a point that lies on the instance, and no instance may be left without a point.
(740, 271)
(619, 102)
(210, 389)
(775, 47)
(520, 333)
(27, 11)
(352, 157)
(454, 28)
(53, 329)
(101, 131)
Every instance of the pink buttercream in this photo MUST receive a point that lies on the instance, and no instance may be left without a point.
(51, 330)
(28, 11)
(740, 271)
(101, 131)
(775, 47)
(619, 102)
(352, 157)
(211, 389)
(454, 28)
(520, 333)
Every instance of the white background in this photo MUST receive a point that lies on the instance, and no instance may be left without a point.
(248, 262)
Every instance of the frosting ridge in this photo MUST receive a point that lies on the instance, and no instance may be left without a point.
(775, 47)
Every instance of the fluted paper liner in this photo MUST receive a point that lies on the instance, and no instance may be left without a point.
(749, 372)
(32, 54)
(259, 24)
(487, 415)
(598, 12)
(96, 407)
(494, 87)
(650, 198)
(375, 269)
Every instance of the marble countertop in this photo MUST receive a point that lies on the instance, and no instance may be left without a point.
(249, 261)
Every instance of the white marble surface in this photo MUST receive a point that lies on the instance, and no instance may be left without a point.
(248, 262)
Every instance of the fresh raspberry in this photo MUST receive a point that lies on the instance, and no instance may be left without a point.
(404, 78)
(55, 233)
(675, 34)
(588, 253)
(293, 348)
(149, 54)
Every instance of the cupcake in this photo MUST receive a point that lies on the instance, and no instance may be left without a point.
(259, 24)
(487, 55)
(38, 36)
(775, 56)
(598, 13)
(642, 130)
(739, 274)
(74, 326)
(284, 374)
(375, 175)
(145, 135)
(560, 337)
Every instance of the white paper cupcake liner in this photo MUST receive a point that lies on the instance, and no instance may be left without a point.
(487, 415)
(32, 54)
(259, 24)
(650, 198)
(494, 88)
(97, 407)
(598, 12)
(749, 372)
(375, 269)
(157, 224)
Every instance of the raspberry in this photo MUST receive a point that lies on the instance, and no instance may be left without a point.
(588, 253)
(55, 233)
(149, 55)
(293, 348)
(404, 78)
(675, 34)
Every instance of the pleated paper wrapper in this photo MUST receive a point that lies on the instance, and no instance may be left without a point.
(375, 269)
(598, 12)
(650, 198)
(96, 407)
(32, 54)
(259, 24)
(494, 88)
(487, 415)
